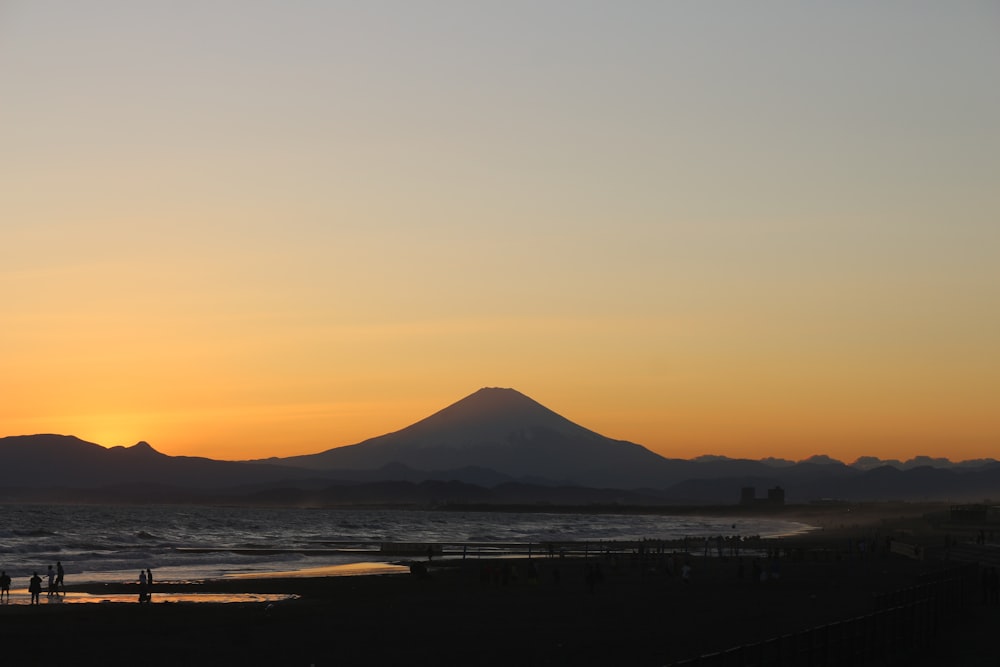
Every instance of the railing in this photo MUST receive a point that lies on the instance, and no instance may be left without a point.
(904, 622)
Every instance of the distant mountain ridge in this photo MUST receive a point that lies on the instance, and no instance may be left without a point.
(494, 439)
(49, 460)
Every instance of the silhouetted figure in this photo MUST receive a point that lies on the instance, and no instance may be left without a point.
(35, 588)
(149, 582)
(4, 585)
(52, 581)
(60, 573)
(143, 587)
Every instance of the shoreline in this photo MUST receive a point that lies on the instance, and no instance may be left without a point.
(831, 527)
(503, 611)
(809, 525)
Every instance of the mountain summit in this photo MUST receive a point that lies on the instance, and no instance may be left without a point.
(490, 416)
(504, 430)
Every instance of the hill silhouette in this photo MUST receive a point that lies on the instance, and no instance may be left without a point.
(49, 460)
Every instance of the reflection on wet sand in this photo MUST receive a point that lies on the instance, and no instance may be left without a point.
(181, 591)
(346, 570)
(23, 598)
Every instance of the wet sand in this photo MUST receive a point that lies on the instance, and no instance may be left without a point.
(469, 613)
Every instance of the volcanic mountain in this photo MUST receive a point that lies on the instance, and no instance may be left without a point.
(503, 430)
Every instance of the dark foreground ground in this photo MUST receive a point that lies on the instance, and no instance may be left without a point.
(470, 614)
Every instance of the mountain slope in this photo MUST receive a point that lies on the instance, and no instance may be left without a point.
(505, 431)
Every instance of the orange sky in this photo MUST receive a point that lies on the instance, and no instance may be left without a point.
(749, 231)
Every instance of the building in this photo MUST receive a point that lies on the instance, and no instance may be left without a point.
(775, 497)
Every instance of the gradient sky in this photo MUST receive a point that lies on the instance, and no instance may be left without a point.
(241, 229)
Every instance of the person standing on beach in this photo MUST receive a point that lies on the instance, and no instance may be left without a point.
(35, 588)
(60, 573)
(52, 581)
(143, 590)
(4, 585)
(149, 583)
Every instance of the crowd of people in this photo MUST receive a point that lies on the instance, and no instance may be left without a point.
(56, 587)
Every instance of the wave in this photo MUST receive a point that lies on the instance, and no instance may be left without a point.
(37, 532)
(107, 542)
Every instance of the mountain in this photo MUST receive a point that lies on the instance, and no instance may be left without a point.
(494, 446)
(52, 461)
(871, 462)
(505, 431)
(506, 437)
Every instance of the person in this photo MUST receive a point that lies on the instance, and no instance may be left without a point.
(143, 590)
(60, 573)
(4, 585)
(52, 581)
(35, 588)
(149, 583)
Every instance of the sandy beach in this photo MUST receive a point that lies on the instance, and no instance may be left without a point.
(542, 611)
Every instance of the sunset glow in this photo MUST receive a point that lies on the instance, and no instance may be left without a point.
(243, 230)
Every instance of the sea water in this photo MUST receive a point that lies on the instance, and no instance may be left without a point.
(188, 543)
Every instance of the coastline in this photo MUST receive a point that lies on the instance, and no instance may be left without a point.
(806, 524)
(496, 611)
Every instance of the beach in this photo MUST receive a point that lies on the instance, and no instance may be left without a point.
(488, 611)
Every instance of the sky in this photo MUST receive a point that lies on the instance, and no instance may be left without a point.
(242, 229)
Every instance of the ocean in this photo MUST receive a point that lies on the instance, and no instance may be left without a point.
(189, 543)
